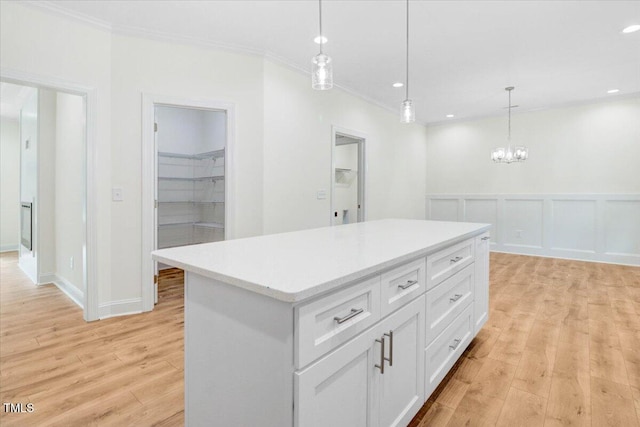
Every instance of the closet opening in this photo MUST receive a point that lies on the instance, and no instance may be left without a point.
(188, 185)
(347, 177)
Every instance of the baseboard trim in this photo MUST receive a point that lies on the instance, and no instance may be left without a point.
(8, 248)
(70, 290)
(120, 308)
(631, 262)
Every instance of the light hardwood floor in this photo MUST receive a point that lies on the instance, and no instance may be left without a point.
(561, 347)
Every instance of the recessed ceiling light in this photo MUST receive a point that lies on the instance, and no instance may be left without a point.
(320, 39)
(613, 91)
(450, 116)
(398, 84)
(631, 29)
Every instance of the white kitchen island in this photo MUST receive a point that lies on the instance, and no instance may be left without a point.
(352, 325)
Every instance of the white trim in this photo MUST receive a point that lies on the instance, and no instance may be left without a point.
(90, 279)
(76, 295)
(362, 167)
(9, 248)
(120, 308)
(149, 101)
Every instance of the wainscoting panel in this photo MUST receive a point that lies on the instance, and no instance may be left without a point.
(444, 210)
(574, 225)
(589, 227)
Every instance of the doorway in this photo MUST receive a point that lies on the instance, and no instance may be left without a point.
(348, 177)
(186, 180)
(50, 211)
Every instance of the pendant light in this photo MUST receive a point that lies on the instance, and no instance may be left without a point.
(408, 114)
(322, 73)
(509, 155)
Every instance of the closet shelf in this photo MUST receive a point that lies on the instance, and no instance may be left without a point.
(200, 178)
(216, 154)
(193, 224)
(188, 202)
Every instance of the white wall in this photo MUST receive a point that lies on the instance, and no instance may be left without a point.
(28, 261)
(577, 196)
(282, 152)
(69, 190)
(46, 196)
(46, 45)
(145, 66)
(10, 184)
(591, 148)
(297, 153)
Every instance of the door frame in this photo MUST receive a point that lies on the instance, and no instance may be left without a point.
(149, 178)
(90, 253)
(361, 215)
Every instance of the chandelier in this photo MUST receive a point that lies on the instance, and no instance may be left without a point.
(509, 155)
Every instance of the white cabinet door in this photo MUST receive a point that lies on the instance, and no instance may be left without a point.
(481, 302)
(401, 386)
(348, 387)
(339, 390)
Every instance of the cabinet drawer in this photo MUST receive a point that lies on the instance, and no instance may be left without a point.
(401, 285)
(443, 352)
(448, 261)
(325, 323)
(447, 300)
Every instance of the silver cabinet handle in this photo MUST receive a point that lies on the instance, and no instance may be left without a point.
(486, 238)
(455, 345)
(455, 298)
(390, 359)
(382, 358)
(456, 259)
(408, 284)
(354, 313)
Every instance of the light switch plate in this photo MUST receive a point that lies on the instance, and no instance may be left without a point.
(116, 194)
(321, 194)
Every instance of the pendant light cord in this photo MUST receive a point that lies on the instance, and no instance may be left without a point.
(320, 14)
(407, 71)
(510, 116)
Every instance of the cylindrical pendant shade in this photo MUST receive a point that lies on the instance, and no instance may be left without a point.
(322, 73)
(408, 112)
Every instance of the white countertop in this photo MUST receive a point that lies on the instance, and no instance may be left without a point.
(295, 266)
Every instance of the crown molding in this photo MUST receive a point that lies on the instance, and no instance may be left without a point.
(582, 102)
(131, 31)
(73, 15)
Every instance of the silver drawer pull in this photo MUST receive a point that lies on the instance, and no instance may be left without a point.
(456, 259)
(486, 238)
(382, 358)
(354, 313)
(454, 346)
(390, 359)
(455, 298)
(409, 284)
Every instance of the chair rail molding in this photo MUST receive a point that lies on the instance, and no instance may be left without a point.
(588, 227)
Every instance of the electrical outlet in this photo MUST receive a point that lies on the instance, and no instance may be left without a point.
(116, 194)
(321, 194)
(519, 234)
(71, 263)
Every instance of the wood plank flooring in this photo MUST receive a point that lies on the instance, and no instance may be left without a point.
(561, 347)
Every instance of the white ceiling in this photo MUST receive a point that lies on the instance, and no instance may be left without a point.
(463, 53)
